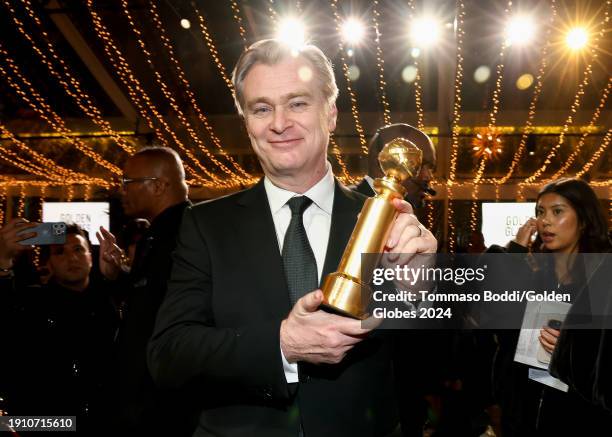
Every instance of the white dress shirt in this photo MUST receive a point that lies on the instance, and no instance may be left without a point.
(317, 222)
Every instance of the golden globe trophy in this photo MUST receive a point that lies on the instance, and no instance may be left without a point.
(346, 291)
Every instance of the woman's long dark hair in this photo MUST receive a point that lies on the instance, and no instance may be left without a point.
(593, 224)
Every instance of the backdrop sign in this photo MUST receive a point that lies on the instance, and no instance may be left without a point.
(89, 215)
(501, 220)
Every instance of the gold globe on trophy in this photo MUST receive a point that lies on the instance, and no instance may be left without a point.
(346, 291)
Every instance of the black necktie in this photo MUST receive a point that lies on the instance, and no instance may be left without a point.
(298, 258)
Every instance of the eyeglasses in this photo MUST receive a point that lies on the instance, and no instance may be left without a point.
(126, 181)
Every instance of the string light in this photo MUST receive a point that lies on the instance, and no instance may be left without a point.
(214, 53)
(139, 96)
(22, 198)
(569, 161)
(534, 99)
(380, 63)
(2, 203)
(588, 71)
(429, 208)
(272, 11)
(490, 128)
(69, 193)
(175, 106)
(475, 189)
(47, 164)
(336, 152)
(460, 33)
(237, 15)
(45, 111)
(80, 97)
(244, 177)
(520, 195)
(595, 157)
(610, 205)
(418, 90)
(87, 193)
(352, 96)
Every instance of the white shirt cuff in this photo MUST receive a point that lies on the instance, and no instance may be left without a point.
(291, 369)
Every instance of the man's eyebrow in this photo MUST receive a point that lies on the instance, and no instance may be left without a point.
(296, 94)
(284, 98)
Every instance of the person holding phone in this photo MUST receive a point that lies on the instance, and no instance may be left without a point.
(59, 336)
(568, 221)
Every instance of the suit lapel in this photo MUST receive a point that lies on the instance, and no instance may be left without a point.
(347, 205)
(258, 235)
(365, 188)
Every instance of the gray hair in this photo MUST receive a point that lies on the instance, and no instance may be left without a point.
(273, 51)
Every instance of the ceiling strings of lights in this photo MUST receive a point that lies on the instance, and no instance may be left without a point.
(175, 105)
(56, 175)
(238, 172)
(138, 96)
(69, 83)
(537, 90)
(587, 74)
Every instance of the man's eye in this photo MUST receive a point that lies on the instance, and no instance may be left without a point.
(261, 110)
(298, 106)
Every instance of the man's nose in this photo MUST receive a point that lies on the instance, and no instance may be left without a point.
(280, 120)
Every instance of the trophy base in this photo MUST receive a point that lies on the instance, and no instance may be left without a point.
(343, 295)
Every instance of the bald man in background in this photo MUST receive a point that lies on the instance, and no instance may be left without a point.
(153, 188)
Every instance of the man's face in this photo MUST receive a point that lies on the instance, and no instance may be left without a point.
(287, 118)
(416, 187)
(138, 196)
(70, 263)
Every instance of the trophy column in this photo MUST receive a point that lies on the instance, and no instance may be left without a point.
(346, 291)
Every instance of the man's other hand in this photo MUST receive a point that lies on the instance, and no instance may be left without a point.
(315, 336)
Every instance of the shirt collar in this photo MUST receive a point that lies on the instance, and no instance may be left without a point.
(322, 193)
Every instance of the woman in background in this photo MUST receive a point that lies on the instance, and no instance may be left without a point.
(569, 220)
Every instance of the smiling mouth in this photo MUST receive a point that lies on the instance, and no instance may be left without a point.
(288, 142)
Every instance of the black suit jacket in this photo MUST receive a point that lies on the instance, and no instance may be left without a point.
(143, 408)
(218, 329)
(365, 188)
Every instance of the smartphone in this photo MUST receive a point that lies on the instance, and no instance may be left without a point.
(46, 233)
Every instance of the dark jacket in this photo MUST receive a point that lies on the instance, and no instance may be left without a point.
(218, 330)
(583, 356)
(533, 409)
(143, 408)
(57, 351)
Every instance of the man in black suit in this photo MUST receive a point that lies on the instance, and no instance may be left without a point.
(266, 362)
(417, 187)
(154, 189)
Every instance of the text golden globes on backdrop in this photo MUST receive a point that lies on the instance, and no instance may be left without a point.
(347, 290)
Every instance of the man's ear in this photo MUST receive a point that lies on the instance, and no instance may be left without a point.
(332, 117)
(160, 185)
